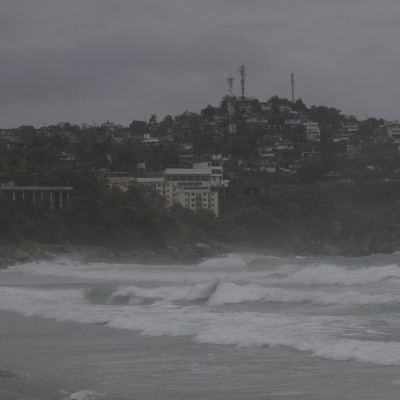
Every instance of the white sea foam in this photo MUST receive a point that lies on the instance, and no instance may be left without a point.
(229, 280)
(231, 293)
(381, 353)
(332, 275)
(231, 267)
(137, 273)
(118, 272)
(56, 304)
(320, 335)
(41, 296)
(87, 395)
(170, 293)
(234, 261)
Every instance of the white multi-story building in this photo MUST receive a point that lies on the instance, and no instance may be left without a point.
(195, 198)
(393, 131)
(157, 184)
(313, 132)
(215, 169)
(194, 188)
(349, 127)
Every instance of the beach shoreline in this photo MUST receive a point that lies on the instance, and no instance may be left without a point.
(15, 386)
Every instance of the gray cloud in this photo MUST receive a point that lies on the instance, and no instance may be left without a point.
(92, 67)
(83, 60)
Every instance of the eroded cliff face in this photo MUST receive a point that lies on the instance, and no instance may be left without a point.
(343, 238)
(352, 220)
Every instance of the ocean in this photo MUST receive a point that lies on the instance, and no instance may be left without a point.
(241, 326)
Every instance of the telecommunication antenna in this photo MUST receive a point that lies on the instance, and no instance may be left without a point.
(292, 80)
(242, 72)
(231, 106)
(230, 79)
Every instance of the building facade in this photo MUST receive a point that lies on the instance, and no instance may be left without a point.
(194, 188)
(313, 132)
(393, 131)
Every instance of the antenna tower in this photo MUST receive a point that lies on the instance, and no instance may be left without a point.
(292, 80)
(230, 79)
(242, 72)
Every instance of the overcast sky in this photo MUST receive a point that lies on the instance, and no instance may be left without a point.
(119, 60)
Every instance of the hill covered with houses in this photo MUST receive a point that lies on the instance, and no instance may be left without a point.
(274, 175)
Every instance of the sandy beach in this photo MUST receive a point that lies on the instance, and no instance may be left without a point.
(31, 364)
(19, 386)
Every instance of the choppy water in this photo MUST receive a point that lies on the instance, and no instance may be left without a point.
(235, 327)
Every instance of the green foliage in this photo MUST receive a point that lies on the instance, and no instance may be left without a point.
(138, 127)
(280, 210)
(328, 116)
(209, 112)
(313, 170)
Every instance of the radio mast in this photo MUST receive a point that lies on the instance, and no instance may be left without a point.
(230, 79)
(231, 106)
(242, 72)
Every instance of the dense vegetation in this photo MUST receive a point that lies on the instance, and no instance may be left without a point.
(308, 218)
(297, 213)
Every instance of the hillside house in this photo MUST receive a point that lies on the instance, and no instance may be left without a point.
(269, 164)
(313, 133)
(392, 131)
(349, 127)
(343, 149)
(120, 180)
(342, 136)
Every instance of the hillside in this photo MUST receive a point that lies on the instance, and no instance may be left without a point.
(350, 219)
(302, 181)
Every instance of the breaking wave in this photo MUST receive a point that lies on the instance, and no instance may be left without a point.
(230, 293)
(333, 275)
(87, 395)
(269, 270)
(221, 293)
(200, 291)
(376, 352)
(58, 296)
(320, 335)
(189, 301)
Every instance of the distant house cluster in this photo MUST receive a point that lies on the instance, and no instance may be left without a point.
(192, 158)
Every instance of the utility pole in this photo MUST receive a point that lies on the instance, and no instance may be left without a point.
(292, 81)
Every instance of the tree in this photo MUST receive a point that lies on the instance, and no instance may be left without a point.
(166, 125)
(326, 116)
(153, 119)
(137, 127)
(28, 132)
(299, 106)
(208, 112)
(313, 170)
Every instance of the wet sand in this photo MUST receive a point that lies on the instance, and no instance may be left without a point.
(16, 386)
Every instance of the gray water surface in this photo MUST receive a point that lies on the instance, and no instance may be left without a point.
(241, 327)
